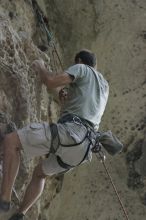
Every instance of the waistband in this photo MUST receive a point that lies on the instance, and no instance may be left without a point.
(76, 119)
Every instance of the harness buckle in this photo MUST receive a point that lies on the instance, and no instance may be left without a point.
(77, 120)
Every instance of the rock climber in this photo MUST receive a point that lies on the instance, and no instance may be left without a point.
(68, 142)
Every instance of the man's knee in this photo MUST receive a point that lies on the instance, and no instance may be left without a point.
(12, 142)
(38, 172)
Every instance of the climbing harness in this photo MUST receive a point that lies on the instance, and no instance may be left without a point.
(95, 146)
(96, 140)
(55, 137)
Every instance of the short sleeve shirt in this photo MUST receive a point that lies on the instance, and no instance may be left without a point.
(87, 95)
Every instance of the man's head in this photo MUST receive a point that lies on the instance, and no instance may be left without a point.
(86, 57)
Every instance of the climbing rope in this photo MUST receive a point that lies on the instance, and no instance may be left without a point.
(43, 21)
(102, 158)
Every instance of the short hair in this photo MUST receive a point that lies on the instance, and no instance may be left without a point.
(87, 57)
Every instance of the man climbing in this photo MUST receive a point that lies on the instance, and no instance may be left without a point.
(68, 142)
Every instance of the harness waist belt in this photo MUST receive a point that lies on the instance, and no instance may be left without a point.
(76, 119)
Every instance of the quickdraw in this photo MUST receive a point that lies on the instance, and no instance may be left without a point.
(43, 21)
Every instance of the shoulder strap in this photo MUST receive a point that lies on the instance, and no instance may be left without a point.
(91, 69)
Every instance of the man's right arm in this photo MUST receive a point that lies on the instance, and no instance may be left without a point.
(50, 79)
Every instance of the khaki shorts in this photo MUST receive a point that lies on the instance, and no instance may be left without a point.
(36, 141)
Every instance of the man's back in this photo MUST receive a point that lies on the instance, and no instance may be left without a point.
(87, 95)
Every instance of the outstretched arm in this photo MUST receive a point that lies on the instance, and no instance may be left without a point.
(50, 79)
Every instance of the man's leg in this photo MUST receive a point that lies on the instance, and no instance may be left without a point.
(11, 161)
(34, 189)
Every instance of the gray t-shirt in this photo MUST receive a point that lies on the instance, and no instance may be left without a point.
(87, 95)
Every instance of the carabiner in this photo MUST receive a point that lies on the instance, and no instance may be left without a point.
(77, 120)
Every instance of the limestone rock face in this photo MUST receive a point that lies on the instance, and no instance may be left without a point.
(116, 32)
(22, 97)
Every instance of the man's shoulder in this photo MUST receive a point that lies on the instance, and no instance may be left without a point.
(78, 66)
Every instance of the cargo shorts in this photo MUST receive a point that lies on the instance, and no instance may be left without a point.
(36, 141)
